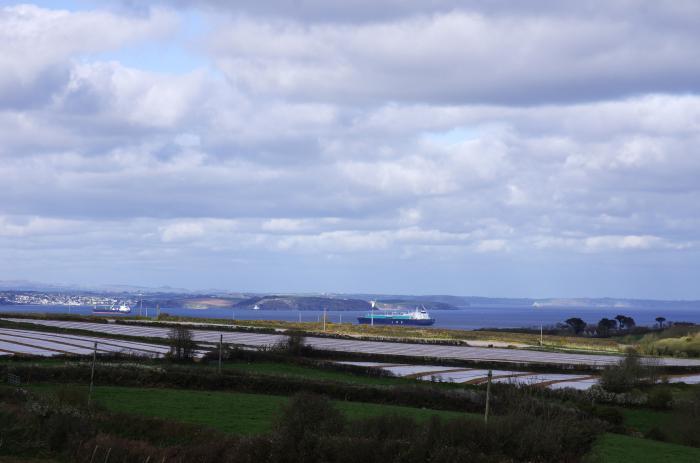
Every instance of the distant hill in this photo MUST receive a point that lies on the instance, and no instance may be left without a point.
(412, 303)
(303, 303)
(166, 296)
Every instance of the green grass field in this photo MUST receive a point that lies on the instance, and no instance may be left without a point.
(227, 411)
(615, 448)
(300, 371)
(643, 420)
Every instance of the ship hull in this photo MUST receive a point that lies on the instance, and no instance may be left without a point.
(396, 321)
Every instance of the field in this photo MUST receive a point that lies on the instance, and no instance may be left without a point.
(231, 412)
(240, 406)
(458, 353)
(299, 371)
(249, 414)
(432, 334)
(615, 448)
(643, 420)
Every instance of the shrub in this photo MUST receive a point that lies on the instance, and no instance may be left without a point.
(294, 344)
(609, 414)
(656, 434)
(685, 423)
(660, 398)
(305, 420)
(629, 373)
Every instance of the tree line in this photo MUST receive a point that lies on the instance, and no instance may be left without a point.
(607, 326)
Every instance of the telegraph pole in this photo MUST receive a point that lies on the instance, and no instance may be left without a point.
(221, 349)
(541, 336)
(488, 397)
(92, 373)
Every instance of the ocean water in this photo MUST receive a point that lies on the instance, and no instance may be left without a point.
(469, 318)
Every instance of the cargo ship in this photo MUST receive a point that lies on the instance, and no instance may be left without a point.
(123, 308)
(419, 317)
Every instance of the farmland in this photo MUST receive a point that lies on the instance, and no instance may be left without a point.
(141, 394)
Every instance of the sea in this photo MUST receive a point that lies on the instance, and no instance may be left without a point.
(467, 319)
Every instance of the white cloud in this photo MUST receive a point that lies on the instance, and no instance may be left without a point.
(142, 99)
(434, 58)
(313, 134)
(19, 227)
(604, 243)
(181, 231)
(491, 246)
(37, 45)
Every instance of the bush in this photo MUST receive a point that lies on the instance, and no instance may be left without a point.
(304, 422)
(294, 344)
(660, 398)
(629, 373)
(684, 427)
(610, 415)
(656, 434)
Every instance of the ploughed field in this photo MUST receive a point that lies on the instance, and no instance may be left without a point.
(42, 344)
(449, 374)
(367, 347)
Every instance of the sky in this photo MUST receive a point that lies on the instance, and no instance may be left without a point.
(492, 148)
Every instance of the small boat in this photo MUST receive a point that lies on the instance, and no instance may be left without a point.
(122, 308)
(419, 317)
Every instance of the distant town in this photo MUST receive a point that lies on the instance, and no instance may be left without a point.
(39, 298)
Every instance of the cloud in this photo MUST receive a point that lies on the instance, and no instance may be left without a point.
(491, 245)
(463, 137)
(21, 227)
(181, 231)
(132, 97)
(605, 243)
(458, 57)
(37, 46)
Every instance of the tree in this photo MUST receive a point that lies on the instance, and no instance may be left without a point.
(181, 344)
(576, 324)
(620, 321)
(660, 321)
(605, 325)
(625, 322)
